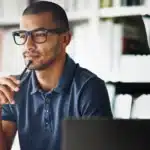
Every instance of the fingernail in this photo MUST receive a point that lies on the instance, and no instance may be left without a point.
(12, 102)
(16, 89)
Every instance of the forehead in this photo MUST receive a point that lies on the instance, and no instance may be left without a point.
(33, 21)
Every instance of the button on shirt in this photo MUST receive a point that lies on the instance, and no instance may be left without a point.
(38, 114)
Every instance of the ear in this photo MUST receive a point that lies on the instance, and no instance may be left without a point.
(66, 39)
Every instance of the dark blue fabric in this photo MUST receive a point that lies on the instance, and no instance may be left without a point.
(38, 114)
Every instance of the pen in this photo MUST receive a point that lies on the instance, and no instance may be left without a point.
(23, 72)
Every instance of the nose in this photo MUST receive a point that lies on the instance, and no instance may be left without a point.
(30, 44)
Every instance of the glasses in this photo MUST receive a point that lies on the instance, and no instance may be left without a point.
(38, 35)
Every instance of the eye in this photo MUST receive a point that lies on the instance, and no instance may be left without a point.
(19, 35)
(22, 35)
(40, 34)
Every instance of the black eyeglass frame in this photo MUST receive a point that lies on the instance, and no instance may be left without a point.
(29, 33)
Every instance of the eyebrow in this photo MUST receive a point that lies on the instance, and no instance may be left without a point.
(41, 28)
(36, 29)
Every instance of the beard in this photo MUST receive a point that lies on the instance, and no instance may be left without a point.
(44, 64)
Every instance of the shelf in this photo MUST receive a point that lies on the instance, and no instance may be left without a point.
(131, 68)
(87, 14)
(108, 12)
(72, 16)
(122, 11)
(131, 88)
(78, 15)
(9, 22)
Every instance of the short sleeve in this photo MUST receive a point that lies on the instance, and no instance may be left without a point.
(8, 112)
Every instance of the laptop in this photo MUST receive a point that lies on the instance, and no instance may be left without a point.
(105, 134)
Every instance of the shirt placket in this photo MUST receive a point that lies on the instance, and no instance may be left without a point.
(47, 113)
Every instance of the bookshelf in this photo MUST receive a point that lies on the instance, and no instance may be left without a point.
(86, 16)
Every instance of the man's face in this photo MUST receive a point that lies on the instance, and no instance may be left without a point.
(43, 53)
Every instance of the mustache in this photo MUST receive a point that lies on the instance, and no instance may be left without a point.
(31, 53)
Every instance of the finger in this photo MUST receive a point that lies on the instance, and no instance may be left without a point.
(3, 99)
(7, 93)
(14, 79)
(9, 82)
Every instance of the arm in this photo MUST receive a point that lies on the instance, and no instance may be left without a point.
(7, 133)
(3, 142)
(94, 100)
(8, 85)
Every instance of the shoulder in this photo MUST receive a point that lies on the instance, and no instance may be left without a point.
(84, 77)
(91, 93)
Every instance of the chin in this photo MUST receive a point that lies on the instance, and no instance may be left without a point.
(38, 67)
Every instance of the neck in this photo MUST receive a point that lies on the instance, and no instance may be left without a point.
(49, 78)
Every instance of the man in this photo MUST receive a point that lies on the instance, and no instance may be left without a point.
(55, 87)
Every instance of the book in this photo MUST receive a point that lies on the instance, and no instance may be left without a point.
(134, 38)
(132, 2)
(106, 3)
(140, 108)
(122, 106)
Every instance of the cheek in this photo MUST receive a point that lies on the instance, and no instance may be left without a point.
(46, 51)
(47, 46)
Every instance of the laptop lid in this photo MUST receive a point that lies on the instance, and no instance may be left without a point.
(105, 134)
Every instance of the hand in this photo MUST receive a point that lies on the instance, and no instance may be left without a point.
(8, 85)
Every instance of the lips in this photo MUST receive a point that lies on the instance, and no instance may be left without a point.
(31, 54)
(35, 55)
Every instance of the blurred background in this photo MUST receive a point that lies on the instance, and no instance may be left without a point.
(110, 37)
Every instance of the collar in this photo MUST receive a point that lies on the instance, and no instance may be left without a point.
(64, 81)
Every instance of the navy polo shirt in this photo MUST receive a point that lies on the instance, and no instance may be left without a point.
(38, 114)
